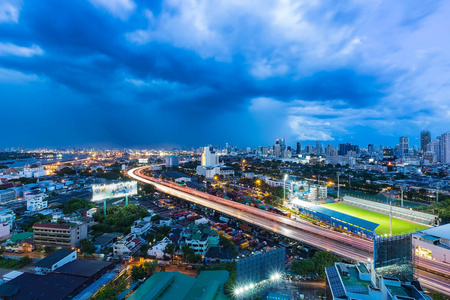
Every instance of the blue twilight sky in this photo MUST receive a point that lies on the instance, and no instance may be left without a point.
(131, 73)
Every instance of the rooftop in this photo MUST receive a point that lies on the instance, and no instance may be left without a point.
(21, 236)
(174, 285)
(31, 286)
(352, 282)
(175, 174)
(440, 231)
(107, 238)
(52, 259)
(83, 268)
(48, 225)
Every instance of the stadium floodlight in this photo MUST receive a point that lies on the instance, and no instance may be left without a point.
(246, 288)
(252, 285)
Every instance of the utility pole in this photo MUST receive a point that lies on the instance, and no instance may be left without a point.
(338, 173)
(437, 193)
(401, 189)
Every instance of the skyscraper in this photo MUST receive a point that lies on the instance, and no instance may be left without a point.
(299, 148)
(404, 146)
(425, 139)
(445, 148)
(209, 158)
(329, 150)
(277, 150)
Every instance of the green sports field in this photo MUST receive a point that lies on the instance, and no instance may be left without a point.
(398, 226)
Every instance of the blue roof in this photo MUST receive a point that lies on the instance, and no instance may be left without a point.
(354, 221)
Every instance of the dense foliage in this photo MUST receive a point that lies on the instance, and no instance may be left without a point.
(75, 204)
(87, 246)
(28, 226)
(317, 264)
(190, 255)
(118, 219)
(13, 263)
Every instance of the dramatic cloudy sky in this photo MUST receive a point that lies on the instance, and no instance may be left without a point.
(126, 73)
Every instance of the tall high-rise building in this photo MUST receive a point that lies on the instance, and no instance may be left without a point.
(209, 157)
(277, 150)
(317, 148)
(299, 148)
(425, 139)
(445, 148)
(434, 147)
(404, 146)
(329, 150)
(342, 150)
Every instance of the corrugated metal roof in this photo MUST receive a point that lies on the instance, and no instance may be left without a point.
(440, 231)
(371, 226)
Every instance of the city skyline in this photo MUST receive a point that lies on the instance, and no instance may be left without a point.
(124, 73)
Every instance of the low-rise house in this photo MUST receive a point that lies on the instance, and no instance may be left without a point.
(8, 216)
(21, 242)
(7, 196)
(165, 222)
(5, 230)
(54, 261)
(107, 239)
(37, 203)
(176, 176)
(127, 246)
(141, 227)
(158, 249)
(199, 238)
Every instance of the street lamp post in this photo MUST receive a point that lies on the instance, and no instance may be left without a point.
(338, 173)
(284, 184)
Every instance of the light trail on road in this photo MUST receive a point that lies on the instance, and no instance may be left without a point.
(349, 247)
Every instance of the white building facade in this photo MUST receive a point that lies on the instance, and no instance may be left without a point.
(37, 203)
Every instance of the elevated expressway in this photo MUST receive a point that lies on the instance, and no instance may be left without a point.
(341, 244)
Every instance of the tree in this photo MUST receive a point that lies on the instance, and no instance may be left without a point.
(66, 171)
(323, 259)
(137, 272)
(87, 246)
(155, 218)
(303, 267)
(148, 189)
(226, 243)
(150, 267)
(75, 204)
(118, 219)
(437, 296)
(186, 250)
(170, 249)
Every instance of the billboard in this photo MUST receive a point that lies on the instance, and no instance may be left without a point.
(114, 190)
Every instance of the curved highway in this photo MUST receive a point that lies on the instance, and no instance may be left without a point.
(343, 245)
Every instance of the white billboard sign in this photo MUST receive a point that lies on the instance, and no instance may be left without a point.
(114, 190)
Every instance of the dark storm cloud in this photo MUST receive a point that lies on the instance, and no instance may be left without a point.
(168, 65)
